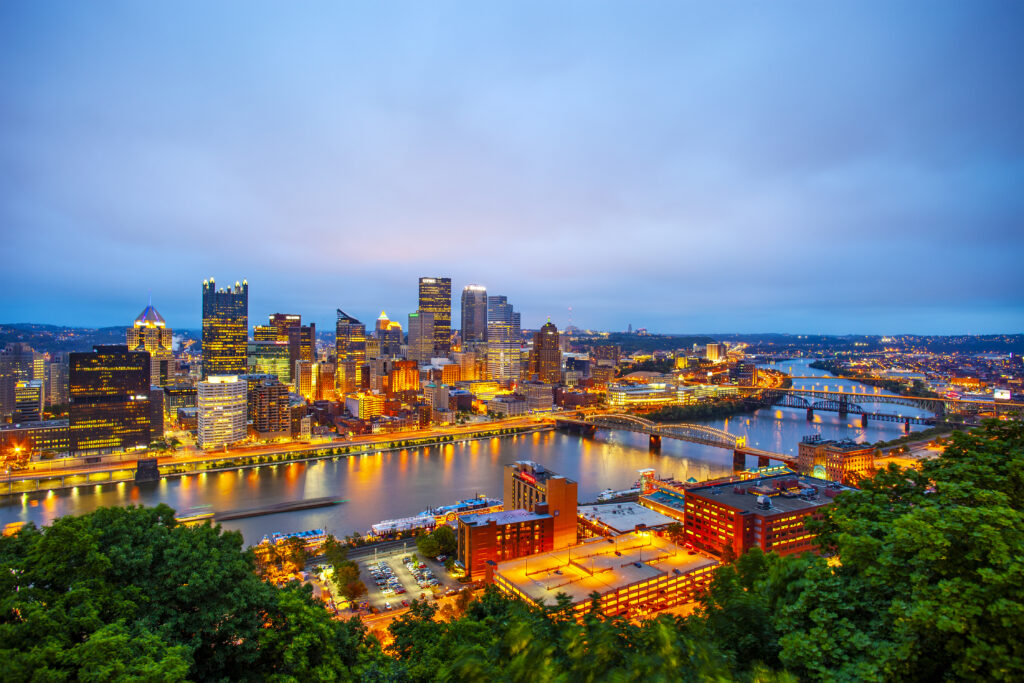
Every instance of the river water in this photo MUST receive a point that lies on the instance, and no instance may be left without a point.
(403, 483)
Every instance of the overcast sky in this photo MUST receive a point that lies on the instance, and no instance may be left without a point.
(685, 167)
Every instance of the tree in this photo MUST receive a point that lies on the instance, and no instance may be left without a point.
(445, 538)
(428, 545)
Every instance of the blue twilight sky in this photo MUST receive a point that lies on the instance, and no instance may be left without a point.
(688, 167)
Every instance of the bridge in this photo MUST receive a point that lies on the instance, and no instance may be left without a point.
(853, 402)
(694, 433)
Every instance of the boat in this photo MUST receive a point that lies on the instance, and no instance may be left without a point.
(310, 538)
(389, 526)
(433, 516)
(195, 515)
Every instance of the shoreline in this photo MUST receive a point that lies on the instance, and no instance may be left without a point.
(115, 475)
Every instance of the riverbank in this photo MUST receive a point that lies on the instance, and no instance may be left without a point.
(120, 473)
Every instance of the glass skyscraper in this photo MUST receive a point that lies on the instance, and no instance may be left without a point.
(503, 340)
(474, 314)
(110, 405)
(225, 329)
(436, 299)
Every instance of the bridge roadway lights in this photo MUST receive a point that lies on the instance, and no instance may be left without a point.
(864, 421)
(655, 444)
(810, 414)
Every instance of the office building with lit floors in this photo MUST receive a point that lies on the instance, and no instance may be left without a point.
(109, 392)
(528, 484)
(728, 518)
(503, 535)
(225, 328)
(223, 405)
(634, 575)
(150, 333)
(435, 297)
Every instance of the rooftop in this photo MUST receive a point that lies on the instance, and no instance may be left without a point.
(502, 517)
(150, 318)
(784, 493)
(603, 565)
(623, 517)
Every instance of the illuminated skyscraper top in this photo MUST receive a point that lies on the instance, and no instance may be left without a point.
(474, 313)
(150, 333)
(225, 328)
(436, 299)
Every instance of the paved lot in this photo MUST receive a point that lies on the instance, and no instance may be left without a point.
(393, 560)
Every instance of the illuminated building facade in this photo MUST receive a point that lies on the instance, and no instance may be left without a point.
(57, 381)
(634, 575)
(421, 336)
(283, 323)
(19, 362)
(365, 405)
(350, 345)
(527, 484)
(389, 334)
(302, 343)
(268, 403)
(652, 394)
(28, 401)
(729, 518)
(223, 408)
(503, 535)
(305, 377)
(546, 356)
(540, 397)
(405, 377)
(715, 351)
(270, 357)
(474, 314)
(504, 340)
(33, 438)
(436, 298)
(225, 328)
(109, 393)
(843, 461)
(150, 333)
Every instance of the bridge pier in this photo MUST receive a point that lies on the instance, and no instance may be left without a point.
(739, 461)
(864, 421)
(762, 461)
(655, 444)
(589, 431)
(810, 414)
(906, 426)
(843, 410)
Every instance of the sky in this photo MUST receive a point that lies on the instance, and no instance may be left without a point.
(804, 167)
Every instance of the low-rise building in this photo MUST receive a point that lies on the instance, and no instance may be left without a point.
(842, 461)
(620, 518)
(634, 574)
(503, 535)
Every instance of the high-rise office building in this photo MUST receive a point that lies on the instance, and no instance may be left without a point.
(546, 356)
(57, 380)
(436, 298)
(350, 338)
(302, 343)
(110, 404)
(150, 333)
(223, 407)
(528, 484)
(270, 357)
(277, 327)
(225, 328)
(304, 378)
(28, 401)
(389, 333)
(503, 340)
(474, 314)
(421, 336)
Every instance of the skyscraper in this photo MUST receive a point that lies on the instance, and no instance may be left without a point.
(436, 298)
(350, 338)
(150, 333)
(474, 314)
(546, 357)
(503, 340)
(110, 405)
(225, 328)
(421, 336)
(389, 332)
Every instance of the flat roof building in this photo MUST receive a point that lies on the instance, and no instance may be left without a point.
(843, 461)
(502, 535)
(528, 484)
(634, 574)
(621, 518)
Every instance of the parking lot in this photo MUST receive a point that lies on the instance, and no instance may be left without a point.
(395, 579)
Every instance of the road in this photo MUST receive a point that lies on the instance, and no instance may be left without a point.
(74, 466)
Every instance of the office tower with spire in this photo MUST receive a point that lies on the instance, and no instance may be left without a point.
(474, 314)
(436, 299)
(389, 334)
(150, 333)
(503, 340)
(225, 328)
(421, 336)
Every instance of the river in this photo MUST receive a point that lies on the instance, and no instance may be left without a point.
(406, 482)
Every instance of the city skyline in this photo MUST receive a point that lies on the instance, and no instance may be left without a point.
(688, 169)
